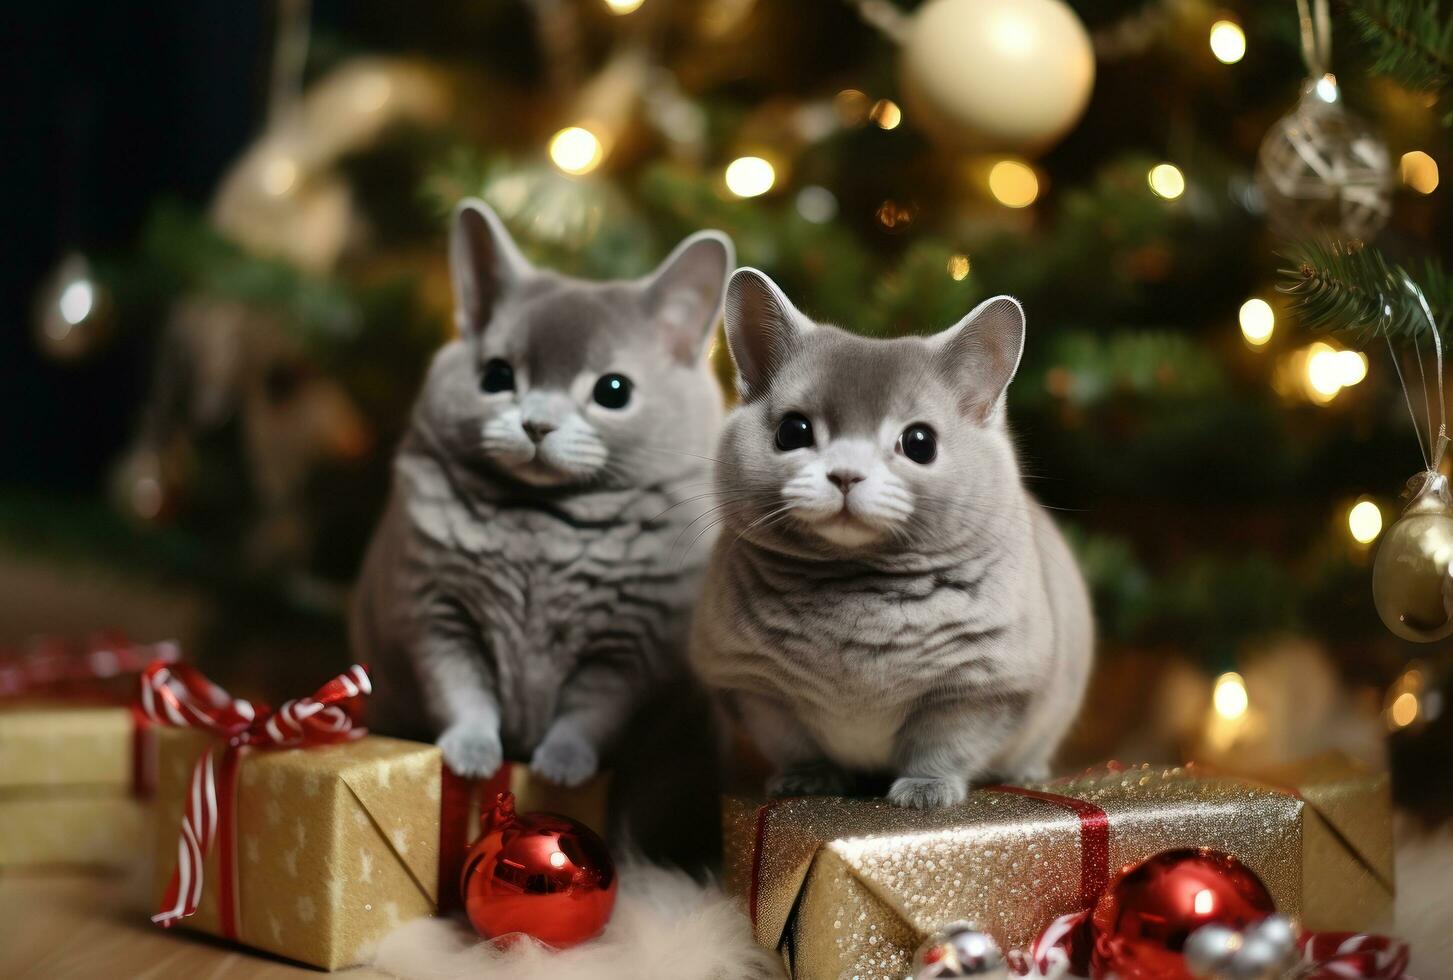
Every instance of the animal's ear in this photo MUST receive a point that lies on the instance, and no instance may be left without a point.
(483, 262)
(685, 292)
(762, 326)
(980, 354)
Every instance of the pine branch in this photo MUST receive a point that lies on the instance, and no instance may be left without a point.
(1412, 40)
(1354, 289)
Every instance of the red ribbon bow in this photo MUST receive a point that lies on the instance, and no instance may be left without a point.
(180, 697)
(50, 663)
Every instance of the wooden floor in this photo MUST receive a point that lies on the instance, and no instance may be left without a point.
(65, 926)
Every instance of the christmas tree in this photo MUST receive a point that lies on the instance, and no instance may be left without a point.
(1177, 192)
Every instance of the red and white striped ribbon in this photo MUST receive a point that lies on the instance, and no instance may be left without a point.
(1356, 956)
(181, 697)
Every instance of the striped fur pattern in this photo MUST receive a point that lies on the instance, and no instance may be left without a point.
(868, 614)
(524, 594)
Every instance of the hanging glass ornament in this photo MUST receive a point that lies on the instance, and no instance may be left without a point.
(1321, 168)
(1411, 584)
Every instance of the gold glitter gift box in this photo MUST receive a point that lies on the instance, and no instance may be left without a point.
(68, 786)
(850, 887)
(336, 845)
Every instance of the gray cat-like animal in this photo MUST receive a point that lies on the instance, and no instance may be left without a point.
(521, 597)
(886, 597)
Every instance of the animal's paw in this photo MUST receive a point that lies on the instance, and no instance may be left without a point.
(565, 757)
(809, 779)
(472, 748)
(926, 793)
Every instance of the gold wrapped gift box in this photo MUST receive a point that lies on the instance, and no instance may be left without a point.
(67, 786)
(851, 887)
(335, 845)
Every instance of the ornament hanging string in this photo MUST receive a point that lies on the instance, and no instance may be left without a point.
(1316, 28)
(1435, 446)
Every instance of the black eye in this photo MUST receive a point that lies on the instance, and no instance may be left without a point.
(919, 444)
(793, 432)
(613, 390)
(497, 376)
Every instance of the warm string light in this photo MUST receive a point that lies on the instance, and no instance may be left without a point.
(1258, 321)
(623, 7)
(1013, 183)
(576, 150)
(1167, 181)
(958, 267)
(886, 114)
(1329, 370)
(750, 176)
(1228, 42)
(1229, 696)
(1364, 522)
(1419, 171)
(1411, 700)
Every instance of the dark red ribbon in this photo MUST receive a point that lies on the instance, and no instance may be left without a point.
(1094, 839)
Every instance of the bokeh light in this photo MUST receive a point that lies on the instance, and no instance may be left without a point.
(621, 7)
(886, 114)
(750, 176)
(1230, 698)
(958, 267)
(1013, 183)
(1167, 181)
(1419, 171)
(1258, 320)
(1228, 42)
(576, 150)
(1364, 522)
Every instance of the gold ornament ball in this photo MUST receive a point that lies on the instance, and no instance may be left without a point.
(1410, 578)
(996, 74)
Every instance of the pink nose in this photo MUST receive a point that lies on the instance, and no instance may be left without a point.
(844, 479)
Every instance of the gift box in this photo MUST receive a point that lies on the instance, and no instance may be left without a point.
(69, 786)
(311, 843)
(847, 887)
(76, 764)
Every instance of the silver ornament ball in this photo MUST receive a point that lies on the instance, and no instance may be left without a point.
(1411, 584)
(1210, 948)
(1323, 169)
(959, 950)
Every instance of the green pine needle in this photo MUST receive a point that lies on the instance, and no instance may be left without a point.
(1354, 289)
(1412, 40)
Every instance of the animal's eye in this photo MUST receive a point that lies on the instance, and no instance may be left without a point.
(497, 376)
(919, 443)
(794, 432)
(613, 391)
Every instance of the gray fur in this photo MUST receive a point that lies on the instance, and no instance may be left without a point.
(940, 632)
(521, 598)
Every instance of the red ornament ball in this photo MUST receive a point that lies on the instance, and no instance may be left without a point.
(1144, 918)
(539, 875)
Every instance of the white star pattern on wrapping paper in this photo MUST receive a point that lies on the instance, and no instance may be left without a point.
(275, 927)
(360, 819)
(385, 773)
(312, 785)
(401, 843)
(301, 833)
(336, 884)
(306, 909)
(275, 780)
(365, 868)
(250, 848)
(290, 863)
(391, 912)
(432, 790)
